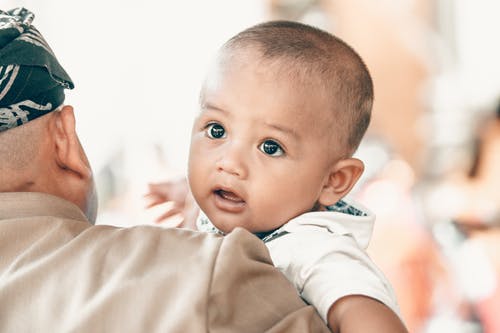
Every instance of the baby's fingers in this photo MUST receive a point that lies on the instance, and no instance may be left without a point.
(167, 213)
(175, 190)
(152, 200)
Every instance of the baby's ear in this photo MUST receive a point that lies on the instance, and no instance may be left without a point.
(342, 178)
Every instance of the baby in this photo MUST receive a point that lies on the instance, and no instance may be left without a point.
(282, 112)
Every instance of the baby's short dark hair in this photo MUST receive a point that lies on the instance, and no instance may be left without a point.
(309, 52)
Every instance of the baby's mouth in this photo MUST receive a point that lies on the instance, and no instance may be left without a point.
(230, 196)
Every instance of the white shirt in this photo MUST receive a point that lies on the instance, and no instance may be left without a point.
(323, 255)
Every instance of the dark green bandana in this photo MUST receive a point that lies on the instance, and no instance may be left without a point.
(32, 81)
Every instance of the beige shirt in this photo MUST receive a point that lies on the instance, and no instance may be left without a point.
(58, 273)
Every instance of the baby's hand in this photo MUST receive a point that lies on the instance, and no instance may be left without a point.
(181, 204)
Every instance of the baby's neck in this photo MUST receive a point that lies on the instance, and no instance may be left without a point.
(204, 224)
(262, 235)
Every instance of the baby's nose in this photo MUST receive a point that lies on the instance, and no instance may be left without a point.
(233, 161)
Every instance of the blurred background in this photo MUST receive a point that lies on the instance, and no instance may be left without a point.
(432, 151)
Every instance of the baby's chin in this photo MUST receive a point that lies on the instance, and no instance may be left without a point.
(226, 229)
(226, 225)
(228, 222)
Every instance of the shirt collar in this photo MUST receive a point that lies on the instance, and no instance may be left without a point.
(353, 219)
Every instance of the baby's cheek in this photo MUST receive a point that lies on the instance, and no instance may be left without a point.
(272, 214)
(197, 186)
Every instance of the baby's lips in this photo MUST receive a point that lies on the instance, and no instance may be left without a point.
(228, 195)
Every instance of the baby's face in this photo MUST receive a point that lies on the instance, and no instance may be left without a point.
(259, 149)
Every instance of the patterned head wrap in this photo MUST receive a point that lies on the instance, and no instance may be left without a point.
(32, 81)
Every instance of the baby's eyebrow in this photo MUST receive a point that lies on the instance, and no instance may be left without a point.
(213, 107)
(288, 131)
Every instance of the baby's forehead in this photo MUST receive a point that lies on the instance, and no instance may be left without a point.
(305, 84)
(299, 74)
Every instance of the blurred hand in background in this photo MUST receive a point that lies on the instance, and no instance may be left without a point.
(173, 202)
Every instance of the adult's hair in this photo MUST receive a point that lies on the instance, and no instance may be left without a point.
(19, 153)
(309, 52)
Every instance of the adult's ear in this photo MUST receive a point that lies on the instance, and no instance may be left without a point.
(342, 178)
(71, 171)
(69, 152)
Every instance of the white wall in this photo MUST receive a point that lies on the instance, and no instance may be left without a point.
(137, 65)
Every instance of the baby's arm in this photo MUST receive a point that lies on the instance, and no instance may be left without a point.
(356, 313)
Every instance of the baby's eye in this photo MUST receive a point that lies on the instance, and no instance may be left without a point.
(215, 131)
(271, 148)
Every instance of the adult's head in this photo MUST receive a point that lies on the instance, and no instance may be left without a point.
(39, 147)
